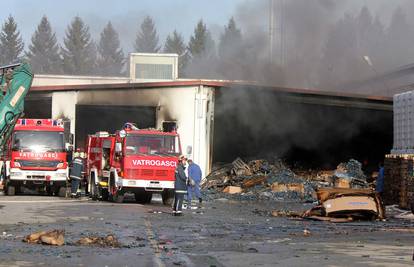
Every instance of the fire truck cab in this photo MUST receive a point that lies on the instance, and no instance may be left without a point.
(36, 157)
(138, 161)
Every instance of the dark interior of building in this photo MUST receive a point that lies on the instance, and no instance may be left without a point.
(93, 118)
(38, 107)
(312, 132)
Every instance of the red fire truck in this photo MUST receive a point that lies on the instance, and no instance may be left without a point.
(138, 161)
(36, 157)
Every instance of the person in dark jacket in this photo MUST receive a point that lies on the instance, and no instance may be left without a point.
(379, 188)
(180, 186)
(75, 174)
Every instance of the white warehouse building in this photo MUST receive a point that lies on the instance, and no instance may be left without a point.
(153, 94)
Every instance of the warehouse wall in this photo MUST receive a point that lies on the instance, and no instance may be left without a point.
(191, 107)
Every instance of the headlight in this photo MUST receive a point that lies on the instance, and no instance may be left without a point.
(17, 164)
(15, 173)
(60, 165)
(119, 182)
(61, 174)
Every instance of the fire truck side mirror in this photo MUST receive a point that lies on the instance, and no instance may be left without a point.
(71, 139)
(189, 150)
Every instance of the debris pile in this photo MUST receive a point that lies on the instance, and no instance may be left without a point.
(346, 175)
(107, 241)
(262, 179)
(350, 170)
(259, 179)
(53, 237)
(57, 238)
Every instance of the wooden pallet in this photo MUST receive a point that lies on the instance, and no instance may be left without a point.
(399, 180)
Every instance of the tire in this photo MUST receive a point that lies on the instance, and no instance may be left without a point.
(143, 197)
(118, 197)
(11, 190)
(104, 194)
(55, 190)
(18, 189)
(62, 191)
(168, 197)
(94, 190)
(49, 191)
(148, 198)
(114, 194)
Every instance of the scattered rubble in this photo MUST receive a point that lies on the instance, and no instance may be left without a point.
(350, 175)
(53, 237)
(286, 213)
(107, 241)
(232, 190)
(57, 238)
(350, 170)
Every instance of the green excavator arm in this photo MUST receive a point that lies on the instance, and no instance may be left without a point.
(16, 81)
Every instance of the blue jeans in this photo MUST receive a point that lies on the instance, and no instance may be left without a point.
(195, 189)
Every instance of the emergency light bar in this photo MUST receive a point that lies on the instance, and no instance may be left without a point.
(40, 122)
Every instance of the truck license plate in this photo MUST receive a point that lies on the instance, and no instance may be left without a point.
(131, 182)
(154, 184)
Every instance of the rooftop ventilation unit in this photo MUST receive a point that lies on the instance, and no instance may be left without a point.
(144, 66)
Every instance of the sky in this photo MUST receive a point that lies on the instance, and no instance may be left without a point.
(126, 15)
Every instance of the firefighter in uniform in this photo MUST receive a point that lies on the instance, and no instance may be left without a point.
(76, 171)
(180, 186)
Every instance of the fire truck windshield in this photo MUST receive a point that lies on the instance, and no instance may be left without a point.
(163, 145)
(38, 141)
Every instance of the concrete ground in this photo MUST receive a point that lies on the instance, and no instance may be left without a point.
(221, 233)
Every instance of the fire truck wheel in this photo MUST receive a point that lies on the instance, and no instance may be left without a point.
(168, 197)
(62, 191)
(18, 190)
(11, 190)
(118, 197)
(94, 190)
(104, 194)
(143, 197)
(49, 191)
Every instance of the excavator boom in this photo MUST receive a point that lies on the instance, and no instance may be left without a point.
(16, 81)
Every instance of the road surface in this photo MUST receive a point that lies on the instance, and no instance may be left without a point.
(221, 233)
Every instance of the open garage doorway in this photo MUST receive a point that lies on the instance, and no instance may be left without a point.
(93, 118)
(311, 131)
